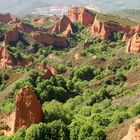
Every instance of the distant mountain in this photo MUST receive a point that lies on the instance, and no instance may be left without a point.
(19, 7)
(133, 14)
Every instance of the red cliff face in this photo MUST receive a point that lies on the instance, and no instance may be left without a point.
(5, 18)
(11, 36)
(130, 31)
(6, 59)
(104, 30)
(133, 45)
(81, 15)
(48, 39)
(24, 27)
(68, 31)
(28, 109)
(134, 131)
(61, 25)
(96, 27)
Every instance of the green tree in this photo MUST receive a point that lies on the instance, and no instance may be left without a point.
(54, 111)
(37, 132)
(84, 73)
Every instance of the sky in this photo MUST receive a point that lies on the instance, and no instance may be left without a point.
(29, 6)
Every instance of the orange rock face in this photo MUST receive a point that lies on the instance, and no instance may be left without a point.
(61, 25)
(81, 15)
(11, 36)
(6, 59)
(40, 20)
(96, 27)
(24, 27)
(48, 39)
(5, 18)
(68, 31)
(134, 131)
(133, 45)
(49, 70)
(28, 109)
(104, 30)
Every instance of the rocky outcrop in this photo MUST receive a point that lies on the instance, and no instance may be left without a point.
(133, 45)
(5, 18)
(77, 56)
(61, 25)
(40, 20)
(28, 109)
(14, 21)
(82, 15)
(12, 36)
(134, 131)
(49, 39)
(24, 27)
(49, 71)
(68, 31)
(6, 59)
(105, 29)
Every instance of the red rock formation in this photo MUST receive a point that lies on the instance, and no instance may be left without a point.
(24, 27)
(28, 109)
(6, 59)
(40, 20)
(133, 44)
(81, 15)
(134, 131)
(68, 31)
(5, 18)
(11, 36)
(61, 25)
(104, 30)
(96, 27)
(130, 31)
(14, 21)
(48, 39)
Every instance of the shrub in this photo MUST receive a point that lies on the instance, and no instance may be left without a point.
(8, 107)
(36, 132)
(84, 73)
(54, 111)
(5, 76)
(55, 130)
(1, 133)
(61, 68)
(135, 110)
(117, 118)
(19, 135)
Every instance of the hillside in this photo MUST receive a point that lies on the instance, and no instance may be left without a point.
(74, 77)
(129, 13)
